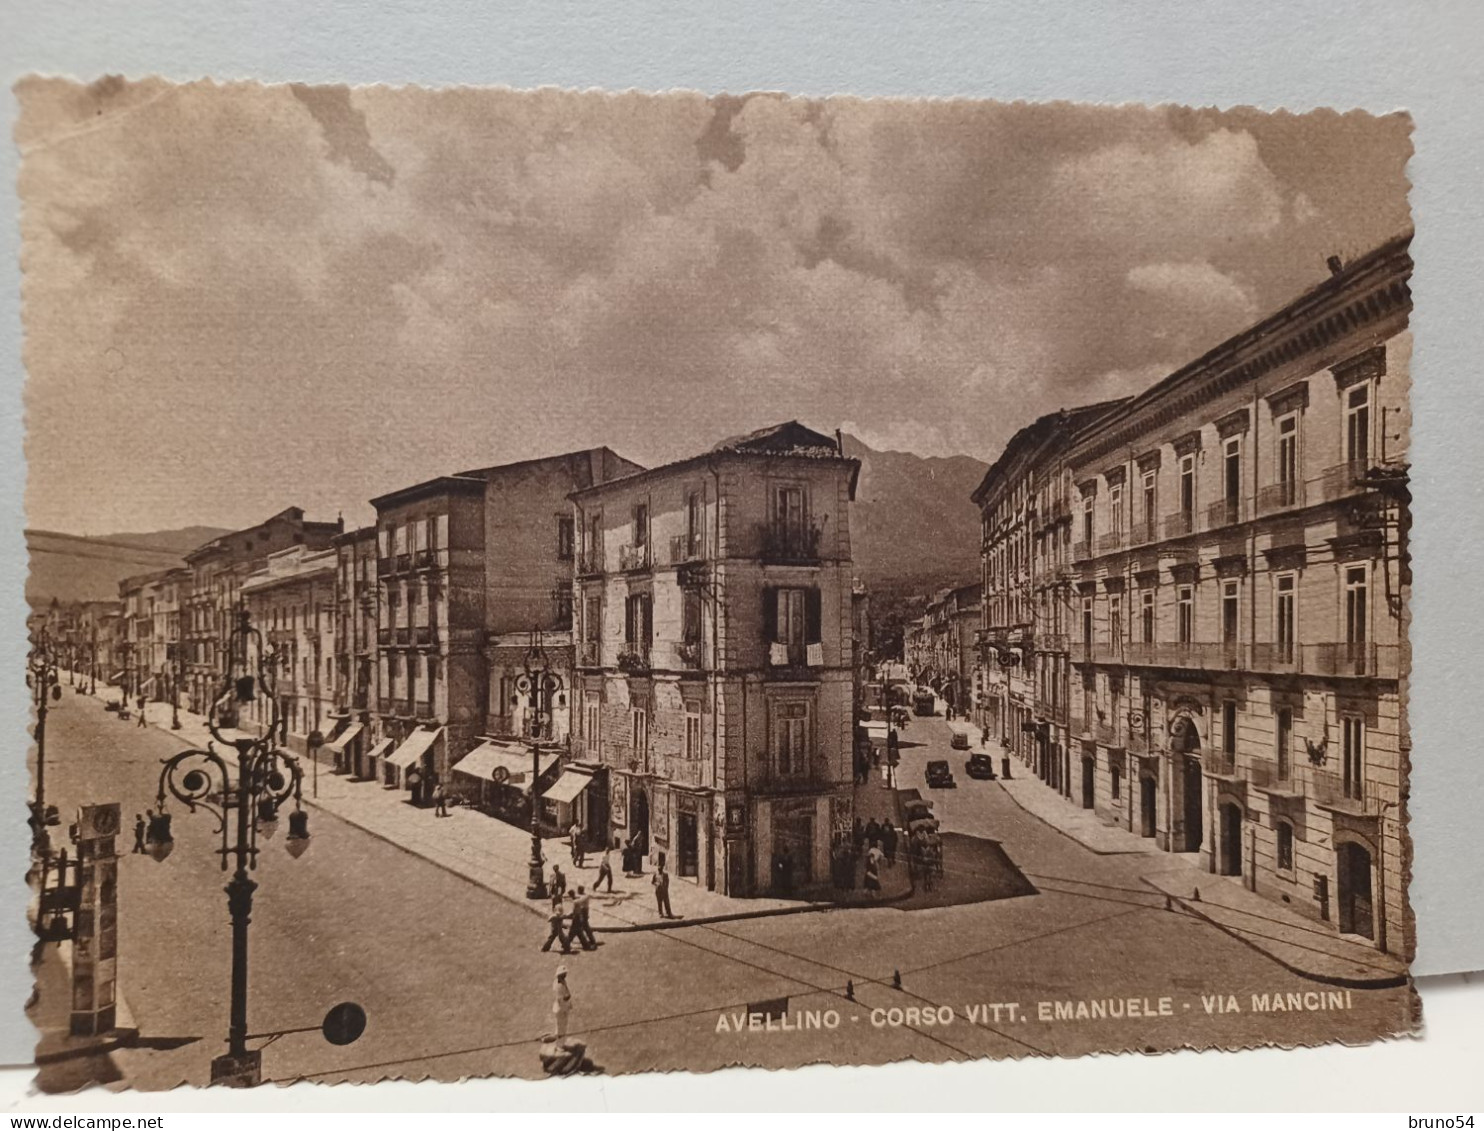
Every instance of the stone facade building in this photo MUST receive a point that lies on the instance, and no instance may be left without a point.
(715, 658)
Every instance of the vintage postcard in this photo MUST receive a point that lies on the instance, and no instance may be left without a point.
(535, 583)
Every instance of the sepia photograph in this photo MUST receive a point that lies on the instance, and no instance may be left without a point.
(536, 583)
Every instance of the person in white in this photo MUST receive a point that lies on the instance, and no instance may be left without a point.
(561, 1004)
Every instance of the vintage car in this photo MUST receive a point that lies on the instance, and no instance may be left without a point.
(924, 703)
(939, 776)
(959, 741)
(980, 766)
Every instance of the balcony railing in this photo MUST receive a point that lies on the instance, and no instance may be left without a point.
(384, 636)
(1219, 764)
(1362, 660)
(402, 636)
(1051, 712)
(590, 563)
(1225, 512)
(425, 559)
(423, 708)
(1268, 776)
(384, 566)
(787, 544)
(1179, 524)
(816, 779)
(1142, 533)
(1220, 656)
(1105, 733)
(1278, 497)
(688, 654)
(1339, 481)
(634, 658)
(1051, 641)
(1275, 657)
(631, 558)
(425, 635)
(684, 548)
(1343, 795)
(404, 562)
(1111, 542)
(589, 653)
(1081, 550)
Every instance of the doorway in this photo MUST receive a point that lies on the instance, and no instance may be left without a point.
(1230, 848)
(1089, 777)
(639, 819)
(687, 845)
(1356, 911)
(1195, 825)
(1146, 805)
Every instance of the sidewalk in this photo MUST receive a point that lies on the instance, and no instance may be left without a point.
(1299, 944)
(496, 856)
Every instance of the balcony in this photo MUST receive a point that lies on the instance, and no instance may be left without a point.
(590, 564)
(1276, 498)
(633, 558)
(1081, 550)
(385, 567)
(816, 779)
(590, 654)
(1051, 641)
(794, 660)
(684, 548)
(786, 544)
(1266, 776)
(1225, 512)
(384, 637)
(1363, 660)
(404, 563)
(423, 709)
(1179, 524)
(425, 559)
(1106, 733)
(402, 636)
(1338, 482)
(1281, 658)
(360, 701)
(1111, 542)
(633, 658)
(1342, 795)
(425, 635)
(1222, 656)
(688, 654)
(1219, 764)
(1143, 533)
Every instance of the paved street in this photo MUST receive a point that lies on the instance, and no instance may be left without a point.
(454, 984)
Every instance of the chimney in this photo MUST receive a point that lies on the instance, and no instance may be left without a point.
(839, 442)
(1335, 264)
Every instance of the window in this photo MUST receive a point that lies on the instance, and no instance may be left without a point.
(561, 599)
(639, 730)
(1087, 623)
(1231, 604)
(595, 542)
(690, 616)
(788, 512)
(791, 738)
(1229, 727)
(592, 620)
(641, 524)
(1231, 472)
(1115, 509)
(432, 677)
(1187, 486)
(1151, 515)
(1358, 427)
(1089, 501)
(694, 524)
(638, 621)
(1356, 620)
(1285, 613)
(1283, 742)
(1185, 613)
(791, 623)
(394, 671)
(692, 731)
(1288, 459)
(1115, 621)
(564, 537)
(1146, 615)
(1352, 752)
(1285, 846)
(594, 708)
(1117, 775)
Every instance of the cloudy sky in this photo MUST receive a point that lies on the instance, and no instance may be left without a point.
(239, 298)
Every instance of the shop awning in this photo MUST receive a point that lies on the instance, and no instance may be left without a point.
(417, 744)
(486, 758)
(117, 677)
(380, 749)
(566, 788)
(344, 738)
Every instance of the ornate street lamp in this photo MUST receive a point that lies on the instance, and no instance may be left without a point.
(246, 809)
(539, 684)
(46, 688)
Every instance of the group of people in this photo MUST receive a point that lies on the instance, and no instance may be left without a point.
(924, 858)
(874, 844)
(568, 919)
(571, 924)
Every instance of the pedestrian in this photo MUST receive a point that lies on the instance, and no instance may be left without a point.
(786, 870)
(574, 843)
(414, 781)
(557, 934)
(857, 834)
(605, 868)
(558, 882)
(582, 928)
(561, 1004)
(440, 801)
(889, 843)
(661, 882)
(139, 830)
(140, 704)
(873, 832)
(873, 870)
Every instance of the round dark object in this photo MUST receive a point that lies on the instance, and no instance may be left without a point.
(344, 1024)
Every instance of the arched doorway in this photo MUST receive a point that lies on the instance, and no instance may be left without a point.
(1185, 747)
(1229, 848)
(1353, 864)
(639, 818)
(1147, 790)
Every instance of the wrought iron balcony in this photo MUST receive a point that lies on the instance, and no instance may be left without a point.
(1361, 660)
(402, 636)
(1225, 512)
(688, 654)
(1081, 550)
(590, 563)
(1339, 481)
(1179, 524)
(1278, 497)
(425, 635)
(789, 544)
(1111, 542)
(1219, 764)
(423, 709)
(1342, 795)
(684, 548)
(590, 653)
(1271, 778)
(633, 558)
(385, 566)
(634, 658)
(384, 636)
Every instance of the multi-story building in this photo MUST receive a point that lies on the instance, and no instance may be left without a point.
(474, 569)
(151, 610)
(715, 658)
(1240, 547)
(357, 598)
(1022, 674)
(218, 570)
(292, 602)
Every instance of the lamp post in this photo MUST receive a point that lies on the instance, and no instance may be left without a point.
(536, 682)
(246, 810)
(175, 686)
(41, 678)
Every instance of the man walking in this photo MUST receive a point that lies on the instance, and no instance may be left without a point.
(558, 882)
(582, 929)
(561, 1004)
(140, 704)
(889, 843)
(554, 921)
(661, 882)
(574, 842)
(139, 829)
(605, 868)
(440, 801)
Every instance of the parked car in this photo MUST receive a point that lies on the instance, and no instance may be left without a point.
(939, 776)
(917, 809)
(959, 741)
(924, 703)
(980, 766)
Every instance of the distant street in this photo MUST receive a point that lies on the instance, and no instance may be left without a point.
(454, 983)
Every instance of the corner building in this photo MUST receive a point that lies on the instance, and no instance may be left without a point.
(715, 656)
(1240, 558)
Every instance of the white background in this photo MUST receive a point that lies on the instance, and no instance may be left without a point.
(1423, 57)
